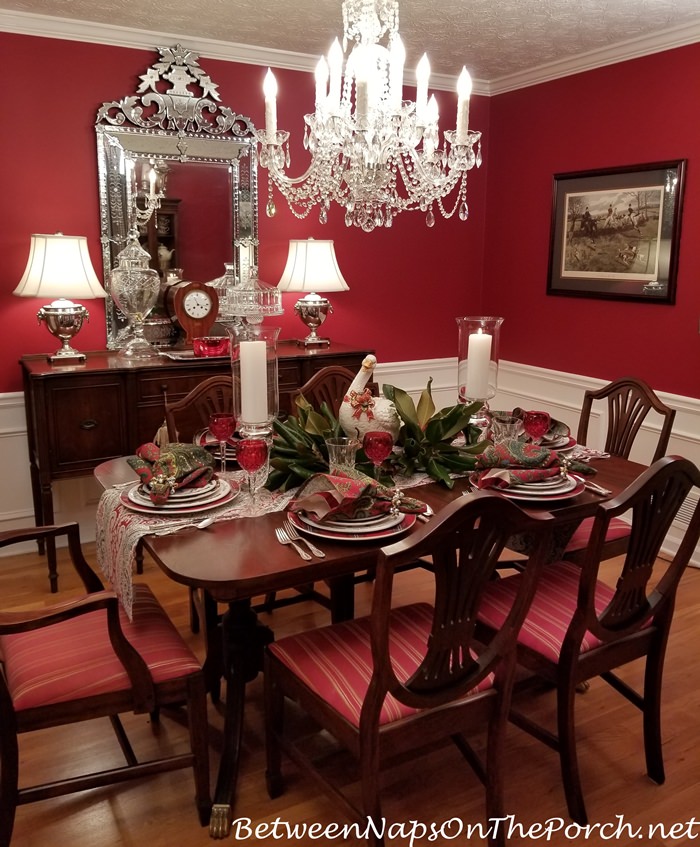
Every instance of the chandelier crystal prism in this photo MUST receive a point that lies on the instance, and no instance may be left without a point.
(372, 152)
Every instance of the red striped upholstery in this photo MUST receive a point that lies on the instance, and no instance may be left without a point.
(551, 611)
(336, 661)
(75, 659)
(579, 540)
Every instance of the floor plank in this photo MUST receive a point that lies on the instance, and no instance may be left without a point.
(438, 787)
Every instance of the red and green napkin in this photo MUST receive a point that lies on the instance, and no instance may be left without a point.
(163, 471)
(516, 462)
(348, 496)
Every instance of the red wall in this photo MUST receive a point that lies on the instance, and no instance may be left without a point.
(408, 283)
(635, 112)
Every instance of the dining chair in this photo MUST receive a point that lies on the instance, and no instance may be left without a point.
(328, 385)
(185, 417)
(579, 626)
(401, 678)
(82, 659)
(629, 401)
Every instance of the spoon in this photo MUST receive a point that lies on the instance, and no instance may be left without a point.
(203, 524)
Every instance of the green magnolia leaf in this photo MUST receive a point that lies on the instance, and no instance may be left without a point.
(426, 408)
(317, 424)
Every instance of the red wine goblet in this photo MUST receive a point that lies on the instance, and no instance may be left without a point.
(536, 425)
(222, 425)
(252, 455)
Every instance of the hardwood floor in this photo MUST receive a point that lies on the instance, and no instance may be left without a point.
(160, 811)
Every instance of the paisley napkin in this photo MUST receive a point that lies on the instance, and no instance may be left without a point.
(348, 496)
(164, 470)
(516, 462)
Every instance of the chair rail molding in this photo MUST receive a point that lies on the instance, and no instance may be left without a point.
(518, 385)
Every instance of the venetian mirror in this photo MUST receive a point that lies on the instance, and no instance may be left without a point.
(181, 169)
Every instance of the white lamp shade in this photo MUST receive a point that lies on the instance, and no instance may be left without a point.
(312, 266)
(59, 266)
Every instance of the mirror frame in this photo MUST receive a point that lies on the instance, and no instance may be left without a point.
(165, 120)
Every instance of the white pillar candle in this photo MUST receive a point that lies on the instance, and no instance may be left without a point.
(253, 358)
(464, 90)
(270, 92)
(478, 364)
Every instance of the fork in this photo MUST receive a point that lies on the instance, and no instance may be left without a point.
(283, 538)
(291, 531)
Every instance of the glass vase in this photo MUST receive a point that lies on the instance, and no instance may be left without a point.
(477, 361)
(255, 377)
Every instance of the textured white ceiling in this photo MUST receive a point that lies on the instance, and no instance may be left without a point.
(493, 38)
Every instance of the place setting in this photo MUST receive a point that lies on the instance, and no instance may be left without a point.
(346, 504)
(177, 480)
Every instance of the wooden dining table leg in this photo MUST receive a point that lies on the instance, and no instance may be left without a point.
(244, 640)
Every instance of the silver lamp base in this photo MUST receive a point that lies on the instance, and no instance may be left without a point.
(313, 311)
(64, 320)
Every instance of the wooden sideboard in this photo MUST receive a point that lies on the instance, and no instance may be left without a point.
(80, 415)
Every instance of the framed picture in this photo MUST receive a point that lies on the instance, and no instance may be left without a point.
(615, 233)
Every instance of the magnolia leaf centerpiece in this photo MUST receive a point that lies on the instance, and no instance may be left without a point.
(425, 441)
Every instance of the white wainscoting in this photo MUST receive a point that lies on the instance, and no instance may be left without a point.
(519, 385)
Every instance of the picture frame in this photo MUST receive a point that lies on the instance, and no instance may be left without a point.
(615, 232)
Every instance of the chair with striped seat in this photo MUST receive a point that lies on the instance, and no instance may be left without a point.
(629, 400)
(579, 627)
(83, 659)
(406, 677)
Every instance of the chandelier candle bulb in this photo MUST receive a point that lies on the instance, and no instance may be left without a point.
(321, 83)
(335, 65)
(270, 92)
(478, 362)
(464, 91)
(253, 381)
(422, 77)
(397, 53)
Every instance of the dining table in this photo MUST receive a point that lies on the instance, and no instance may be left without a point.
(234, 561)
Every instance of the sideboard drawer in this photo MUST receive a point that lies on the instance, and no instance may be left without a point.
(87, 424)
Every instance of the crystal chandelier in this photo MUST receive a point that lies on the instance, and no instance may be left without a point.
(372, 152)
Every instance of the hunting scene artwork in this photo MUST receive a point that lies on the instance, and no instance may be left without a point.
(615, 233)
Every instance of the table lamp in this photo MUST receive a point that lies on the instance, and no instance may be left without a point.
(312, 267)
(59, 267)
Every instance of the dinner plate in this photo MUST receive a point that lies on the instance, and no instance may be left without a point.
(544, 497)
(557, 485)
(136, 495)
(375, 524)
(227, 493)
(184, 493)
(555, 443)
(405, 523)
(540, 488)
(570, 444)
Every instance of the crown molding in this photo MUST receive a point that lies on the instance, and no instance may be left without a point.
(623, 51)
(48, 26)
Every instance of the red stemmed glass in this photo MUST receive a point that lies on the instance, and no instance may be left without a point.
(377, 446)
(252, 455)
(536, 425)
(222, 425)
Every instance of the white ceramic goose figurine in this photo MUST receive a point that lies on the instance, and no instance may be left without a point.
(360, 412)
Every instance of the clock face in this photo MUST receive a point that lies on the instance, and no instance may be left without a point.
(197, 304)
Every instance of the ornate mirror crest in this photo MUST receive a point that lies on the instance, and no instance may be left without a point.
(175, 132)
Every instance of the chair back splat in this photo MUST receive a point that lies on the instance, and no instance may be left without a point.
(630, 401)
(406, 677)
(190, 414)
